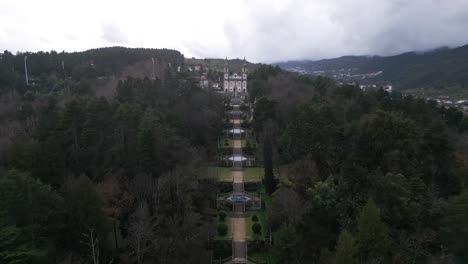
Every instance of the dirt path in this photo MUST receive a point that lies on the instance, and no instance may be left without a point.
(237, 143)
(238, 229)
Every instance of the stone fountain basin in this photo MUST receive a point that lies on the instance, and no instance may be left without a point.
(237, 158)
(236, 131)
(239, 198)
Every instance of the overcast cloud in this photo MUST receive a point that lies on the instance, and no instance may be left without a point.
(260, 30)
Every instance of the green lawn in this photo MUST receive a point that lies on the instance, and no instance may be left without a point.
(253, 174)
(217, 173)
(258, 256)
(261, 220)
(224, 174)
(228, 235)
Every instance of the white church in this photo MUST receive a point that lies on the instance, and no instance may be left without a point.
(235, 83)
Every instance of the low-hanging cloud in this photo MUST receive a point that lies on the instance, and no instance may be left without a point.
(112, 34)
(301, 29)
(261, 30)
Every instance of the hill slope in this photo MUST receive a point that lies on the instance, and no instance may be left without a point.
(434, 69)
(218, 64)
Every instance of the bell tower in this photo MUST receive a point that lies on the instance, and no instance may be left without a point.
(244, 76)
(226, 67)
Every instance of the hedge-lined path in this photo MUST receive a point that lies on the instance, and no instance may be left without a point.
(239, 233)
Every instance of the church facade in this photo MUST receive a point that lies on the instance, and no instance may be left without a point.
(235, 83)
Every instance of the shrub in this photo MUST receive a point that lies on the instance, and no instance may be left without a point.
(222, 216)
(254, 218)
(222, 229)
(257, 228)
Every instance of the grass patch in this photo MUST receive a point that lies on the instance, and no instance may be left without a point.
(216, 173)
(253, 174)
(259, 256)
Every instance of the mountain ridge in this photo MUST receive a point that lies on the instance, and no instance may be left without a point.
(436, 68)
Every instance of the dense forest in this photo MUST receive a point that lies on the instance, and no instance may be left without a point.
(87, 179)
(353, 176)
(364, 177)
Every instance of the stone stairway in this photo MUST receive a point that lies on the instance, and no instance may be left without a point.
(238, 210)
(238, 220)
(239, 250)
(239, 241)
(238, 187)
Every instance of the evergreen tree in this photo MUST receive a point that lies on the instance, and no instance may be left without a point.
(83, 211)
(270, 184)
(30, 219)
(73, 121)
(454, 229)
(372, 238)
(345, 249)
(149, 160)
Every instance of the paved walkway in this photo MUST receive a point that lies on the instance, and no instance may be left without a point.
(238, 229)
(237, 143)
(237, 176)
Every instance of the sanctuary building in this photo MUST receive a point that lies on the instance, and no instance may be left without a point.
(235, 83)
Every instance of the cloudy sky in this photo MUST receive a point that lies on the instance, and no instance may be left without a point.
(261, 30)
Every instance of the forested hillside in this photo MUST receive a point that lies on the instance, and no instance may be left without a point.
(433, 69)
(218, 64)
(364, 177)
(60, 70)
(350, 176)
(87, 179)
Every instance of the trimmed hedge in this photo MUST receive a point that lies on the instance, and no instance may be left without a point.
(222, 229)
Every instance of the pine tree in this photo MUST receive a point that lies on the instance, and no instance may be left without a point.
(30, 217)
(149, 160)
(345, 249)
(268, 163)
(454, 230)
(84, 211)
(372, 238)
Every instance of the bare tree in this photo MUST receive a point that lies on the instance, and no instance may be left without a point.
(92, 243)
(140, 232)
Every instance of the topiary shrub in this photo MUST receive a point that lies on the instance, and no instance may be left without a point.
(222, 229)
(257, 228)
(254, 218)
(222, 216)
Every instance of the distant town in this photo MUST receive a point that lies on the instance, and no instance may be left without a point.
(368, 81)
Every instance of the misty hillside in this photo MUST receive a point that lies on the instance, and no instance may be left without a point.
(438, 68)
